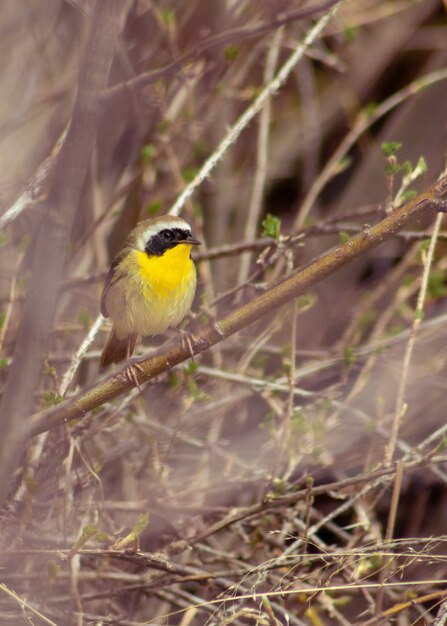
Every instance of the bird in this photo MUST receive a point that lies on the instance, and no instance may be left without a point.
(150, 285)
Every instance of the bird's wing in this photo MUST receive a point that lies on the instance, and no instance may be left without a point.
(112, 277)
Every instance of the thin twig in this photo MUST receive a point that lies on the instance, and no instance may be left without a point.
(221, 39)
(284, 435)
(78, 356)
(255, 108)
(361, 124)
(390, 531)
(25, 605)
(400, 404)
(35, 186)
(8, 312)
(255, 203)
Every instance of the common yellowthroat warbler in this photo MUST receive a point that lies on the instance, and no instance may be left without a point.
(150, 285)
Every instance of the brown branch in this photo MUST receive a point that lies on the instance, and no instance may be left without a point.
(435, 198)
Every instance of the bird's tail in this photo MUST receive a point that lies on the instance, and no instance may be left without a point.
(116, 350)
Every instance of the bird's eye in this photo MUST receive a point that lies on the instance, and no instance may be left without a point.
(168, 235)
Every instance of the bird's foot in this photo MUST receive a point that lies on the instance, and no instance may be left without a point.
(131, 374)
(186, 341)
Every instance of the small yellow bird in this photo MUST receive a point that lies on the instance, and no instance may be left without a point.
(150, 285)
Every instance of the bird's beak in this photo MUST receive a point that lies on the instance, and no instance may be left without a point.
(190, 241)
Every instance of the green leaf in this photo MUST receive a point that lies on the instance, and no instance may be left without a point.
(195, 392)
(307, 301)
(51, 398)
(140, 525)
(350, 34)
(407, 280)
(424, 246)
(49, 370)
(437, 284)
(279, 486)
(31, 483)
(154, 207)
(190, 368)
(343, 164)
(168, 17)
(389, 148)
(392, 168)
(370, 109)
(419, 314)
(200, 148)
(394, 330)
(87, 533)
(348, 356)
(344, 237)
(164, 125)
(297, 415)
(271, 226)
(173, 379)
(189, 173)
(408, 195)
(231, 52)
(368, 564)
(366, 319)
(407, 167)
(268, 418)
(421, 166)
(148, 152)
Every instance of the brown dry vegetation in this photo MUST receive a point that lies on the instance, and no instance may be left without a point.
(294, 473)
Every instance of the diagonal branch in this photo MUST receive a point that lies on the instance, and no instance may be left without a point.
(435, 198)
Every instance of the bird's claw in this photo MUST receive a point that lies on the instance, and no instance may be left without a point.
(186, 342)
(131, 374)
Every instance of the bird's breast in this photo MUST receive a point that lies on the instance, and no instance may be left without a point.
(164, 274)
(159, 290)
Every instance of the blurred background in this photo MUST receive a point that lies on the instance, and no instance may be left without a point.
(179, 504)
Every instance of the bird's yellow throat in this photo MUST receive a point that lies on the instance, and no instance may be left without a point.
(166, 272)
